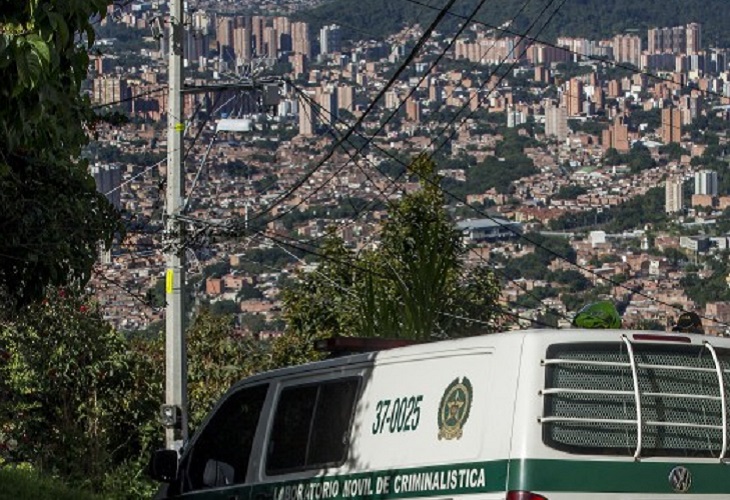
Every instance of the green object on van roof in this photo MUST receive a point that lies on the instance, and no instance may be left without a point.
(599, 315)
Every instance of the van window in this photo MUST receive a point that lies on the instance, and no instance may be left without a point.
(221, 453)
(311, 426)
(590, 405)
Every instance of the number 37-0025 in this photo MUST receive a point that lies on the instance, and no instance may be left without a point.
(397, 415)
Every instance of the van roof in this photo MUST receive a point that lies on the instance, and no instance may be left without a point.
(515, 338)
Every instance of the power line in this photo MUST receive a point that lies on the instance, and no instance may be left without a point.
(535, 39)
(537, 245)
(393, 114)
(410, 93)
(414, 52)
(493, 268)
(373, 273)
(519, 234)
(499, 81)
(157, 90)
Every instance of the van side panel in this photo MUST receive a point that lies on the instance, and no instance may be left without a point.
(453, 435)
(426, 425)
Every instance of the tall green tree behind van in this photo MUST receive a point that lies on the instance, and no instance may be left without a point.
(414, 285)
(52, 215)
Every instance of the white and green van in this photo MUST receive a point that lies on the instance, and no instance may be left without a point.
(529, 415)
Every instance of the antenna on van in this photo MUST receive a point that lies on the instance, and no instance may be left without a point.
(342, 346)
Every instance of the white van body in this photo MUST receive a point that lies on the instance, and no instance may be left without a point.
(528, 415)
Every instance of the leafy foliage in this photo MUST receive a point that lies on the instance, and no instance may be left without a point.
(64, 380)
(570, 192)
(52, 216)
(509, 164)
(414, 285)
(22, 483)
(216, 359)
(711, 289)
(534, 265)
(638, 211)
(81, 401)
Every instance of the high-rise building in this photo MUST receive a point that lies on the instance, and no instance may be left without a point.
(474, 100)
(108, 179)
(307, 121)
(330, 39)
(671, 125)
(299, 64)
(616, 136)
(413, 110)
(614, 89)
(271, 42)
(598, 97)
(242, 45)
(574, 97)
(300, 39)
(327, 100)
(258, 23)
(694, 38)
(675, 40)
(673, 196)
(627, 48)
(706, 182)
(435, 92)
(556, 122)
(224, 32)
(111, 89)
(282, 25)
(225, 39)
(346, 97)
(391, 99)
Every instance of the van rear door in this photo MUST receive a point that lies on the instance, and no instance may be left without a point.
(629, 416)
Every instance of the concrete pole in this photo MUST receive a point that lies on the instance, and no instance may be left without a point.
(175, 409)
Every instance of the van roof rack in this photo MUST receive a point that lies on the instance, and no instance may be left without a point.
(342, 346)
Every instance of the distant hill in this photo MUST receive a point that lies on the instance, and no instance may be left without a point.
(585, 18)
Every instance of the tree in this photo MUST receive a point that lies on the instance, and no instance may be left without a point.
(414, 285)
(217, 359)
(65, 379)
(52, 216)
(570, 192)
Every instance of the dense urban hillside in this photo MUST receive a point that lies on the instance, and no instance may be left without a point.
(586, 18)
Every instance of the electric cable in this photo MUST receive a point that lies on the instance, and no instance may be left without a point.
(617, 64)
(414, 52)
(370, 271)
(392, 115)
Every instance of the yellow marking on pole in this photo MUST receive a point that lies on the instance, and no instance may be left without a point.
(169, 278)
(179, 127)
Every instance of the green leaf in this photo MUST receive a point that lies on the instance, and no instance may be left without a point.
(24, 80)
(58, 23)
(41, 49)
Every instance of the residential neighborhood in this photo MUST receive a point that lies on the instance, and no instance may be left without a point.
(559, 145)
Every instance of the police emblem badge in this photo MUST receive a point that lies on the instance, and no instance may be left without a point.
(454, 409)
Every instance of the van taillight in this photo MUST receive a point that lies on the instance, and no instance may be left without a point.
(524, 495)
(662, 338)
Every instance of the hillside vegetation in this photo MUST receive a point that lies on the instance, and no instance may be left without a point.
(24, 484)
(584, 18)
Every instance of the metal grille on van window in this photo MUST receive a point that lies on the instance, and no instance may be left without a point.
(591, 400)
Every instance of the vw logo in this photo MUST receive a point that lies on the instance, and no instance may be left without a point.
(680, 478)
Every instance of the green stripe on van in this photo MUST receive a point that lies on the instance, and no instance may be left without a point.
(598, 476)
(456, 479)
(588, 476)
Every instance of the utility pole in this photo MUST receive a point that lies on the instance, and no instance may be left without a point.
(174, 411)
